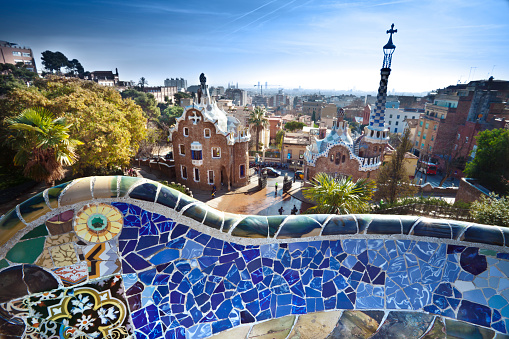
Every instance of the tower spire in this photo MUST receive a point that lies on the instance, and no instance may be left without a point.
(376, 131)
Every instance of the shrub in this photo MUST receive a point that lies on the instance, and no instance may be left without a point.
(492, 210)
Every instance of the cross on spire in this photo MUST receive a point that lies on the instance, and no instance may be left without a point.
(195, 118)
(392, 30)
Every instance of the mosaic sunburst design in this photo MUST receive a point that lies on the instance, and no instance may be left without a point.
(98, 222)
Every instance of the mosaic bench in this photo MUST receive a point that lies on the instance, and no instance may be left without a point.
(118, 257)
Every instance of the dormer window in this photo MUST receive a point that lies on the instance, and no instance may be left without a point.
(206, 132)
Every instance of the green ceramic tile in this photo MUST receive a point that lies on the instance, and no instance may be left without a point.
(299, 226)
(385, 224)
(407, 222)
(483, 234)
(321, 218)
(54, 193)
(363, 220)
(4, 263)
(229, 220)
(184, 201)
(340, 224)
(78, 192)
(358, 322)
(214, 218)
(168, 197)
(459, 329)
(105, 187)
(432, 228)
(26, 252)
(9, 225)
(39, 231)
(33, 208)
(253, 226)
(125, 185)
(145, 192)
(404, 325)
(196, 212)
(274, 222)
(437, 331)
(457, 227)
(488, 253)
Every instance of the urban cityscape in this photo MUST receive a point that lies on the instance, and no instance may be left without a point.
(337, 193)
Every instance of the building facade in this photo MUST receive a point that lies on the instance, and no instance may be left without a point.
(161, 93)
(181, 83)
(12, 53)
(210, 148)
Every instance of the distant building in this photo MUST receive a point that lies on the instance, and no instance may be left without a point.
(181, 83)
(238, 96)
(294, 147)
(12, 53)
(396, 118)
(161, 93)
(210, 148)
(104, 78)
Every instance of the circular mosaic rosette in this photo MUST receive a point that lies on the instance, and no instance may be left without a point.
(98, 223)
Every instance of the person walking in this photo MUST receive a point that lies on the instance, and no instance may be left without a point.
(281, 210)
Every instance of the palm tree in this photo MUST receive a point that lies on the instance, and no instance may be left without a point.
(339, 196)
(42, 143)
(258, 119)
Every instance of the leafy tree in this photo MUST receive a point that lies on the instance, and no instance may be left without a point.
(392, 180)
(339, 196)
(294, 125)
(142, 82)
(179, 95)
(146, 101)
(75, 67)
(258, 120)
(42, 144)
(492, 210)
(279, 139)
(491, 163)
(170, 114)
(449, 151)
(313, 116)
(54, 61)
(109, 127)
(12, 76)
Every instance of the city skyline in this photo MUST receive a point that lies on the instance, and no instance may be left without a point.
(333, 45)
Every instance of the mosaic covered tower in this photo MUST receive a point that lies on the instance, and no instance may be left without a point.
(376, 132)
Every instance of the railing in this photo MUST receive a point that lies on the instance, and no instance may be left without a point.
(434, 211)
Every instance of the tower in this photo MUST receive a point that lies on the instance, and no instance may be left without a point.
(376, 132)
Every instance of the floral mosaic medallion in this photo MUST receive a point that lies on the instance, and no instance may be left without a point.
(96, 310)
(98, 222)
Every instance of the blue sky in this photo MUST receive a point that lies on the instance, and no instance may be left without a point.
(313, 44)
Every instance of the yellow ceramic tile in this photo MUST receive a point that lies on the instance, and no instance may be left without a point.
(98, 222)
(315, 325)
(44, 259)
(33, 208)
(9, 226)
(273, 329)
(63, 255)
(60, 239)
(79, 191)
(105, 187)
(237, 333)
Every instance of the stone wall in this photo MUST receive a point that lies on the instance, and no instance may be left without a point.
(117, 257)
(468, 192)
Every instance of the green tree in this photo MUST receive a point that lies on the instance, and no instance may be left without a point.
(279, 139)
(142, 82)
(294, 125)
(146, 101)
(169, 115)
(339, 196)
(54, 61)
(491, 163)
(179, 95)
(42, 144)
(12, 76)
(109, 127)
(313, 116)
(392, 180)
(258, 120)
(492, 210)
(75, 67)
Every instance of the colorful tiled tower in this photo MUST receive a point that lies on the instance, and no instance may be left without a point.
(376, 132)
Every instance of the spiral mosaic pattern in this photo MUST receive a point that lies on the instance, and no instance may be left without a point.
(98, 223)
